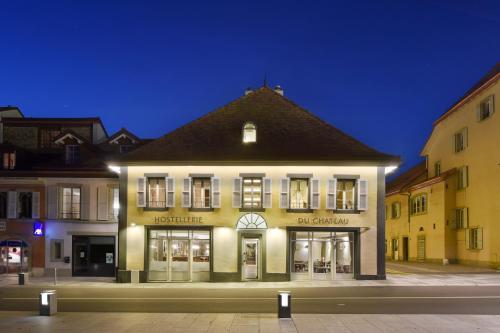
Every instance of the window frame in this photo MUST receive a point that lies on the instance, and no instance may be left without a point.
(475, 238)
(72, 154)
(9, 157)
(490, 100)
(148, 206)
(437, 168)
(61, 198)
(52, 250)
(393, 205)
(415, 199)
(244, 130)
(354, 194)
(308, 196)
(20, 207)
(460, 177)
(261, 206)
(462, 133)
(209, 208)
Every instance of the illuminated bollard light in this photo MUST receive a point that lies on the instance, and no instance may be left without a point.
(48, 302)
(284, 304)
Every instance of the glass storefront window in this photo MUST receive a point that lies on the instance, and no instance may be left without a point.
(179, 255)
(313, 255)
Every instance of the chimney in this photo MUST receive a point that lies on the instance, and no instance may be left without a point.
(278, 90)
(248, 90)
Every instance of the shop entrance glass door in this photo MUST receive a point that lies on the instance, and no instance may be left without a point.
(322, 255)
(343, 253)
(251, 258)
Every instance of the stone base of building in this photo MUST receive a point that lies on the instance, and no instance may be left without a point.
(61, 272)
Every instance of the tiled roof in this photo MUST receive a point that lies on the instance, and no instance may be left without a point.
(407, 179)
(285, 132)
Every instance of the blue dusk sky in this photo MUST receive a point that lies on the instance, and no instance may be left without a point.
(382, 71)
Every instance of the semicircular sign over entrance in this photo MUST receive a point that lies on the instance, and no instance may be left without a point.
(251, 221)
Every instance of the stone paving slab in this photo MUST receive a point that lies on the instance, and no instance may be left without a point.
(475, 279)
(245, 322)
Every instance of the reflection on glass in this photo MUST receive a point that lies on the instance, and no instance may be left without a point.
(300, 260)
(158, 254)
(180, 259)
(345, 194)
(321, 252)
(344, 250)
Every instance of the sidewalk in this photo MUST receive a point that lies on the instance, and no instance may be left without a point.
(412, 267)
(76, 322)
(469, 279)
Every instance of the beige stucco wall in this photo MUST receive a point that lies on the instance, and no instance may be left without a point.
(225, 239)
(482, 156)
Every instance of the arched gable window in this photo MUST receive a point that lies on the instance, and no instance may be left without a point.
(251, 221)
(249, 133)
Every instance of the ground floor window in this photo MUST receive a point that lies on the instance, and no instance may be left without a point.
(178, 255)
(93, 255)
(321, 255)
(14, 256)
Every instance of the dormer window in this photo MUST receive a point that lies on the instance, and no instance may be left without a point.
(249, 133)
(72, 154)
(9, 160)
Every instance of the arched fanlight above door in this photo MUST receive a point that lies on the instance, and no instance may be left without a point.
(251, 221)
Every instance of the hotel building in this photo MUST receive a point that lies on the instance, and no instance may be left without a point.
(257, 190)
(446, 209)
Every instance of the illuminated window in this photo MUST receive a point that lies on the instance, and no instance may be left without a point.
(70, 203)
(249, 133)
(395, 210)
(299, 193)
(419, 204)
(156, 193)
(9, 160)
(201, 192)
(252, 192)
(345, 194)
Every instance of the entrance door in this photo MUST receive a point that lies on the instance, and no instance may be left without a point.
(80, 258)
(251, 258)
(93, 256)
(405, 248)
(421, 248)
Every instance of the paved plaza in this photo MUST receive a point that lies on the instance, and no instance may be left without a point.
(243, 323)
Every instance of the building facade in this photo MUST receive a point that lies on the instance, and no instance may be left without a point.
(258, 190)
(59, 201)
(446, 209)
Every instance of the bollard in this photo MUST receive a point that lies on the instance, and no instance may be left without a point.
(284, 304)
(48, 302)
(21, 279)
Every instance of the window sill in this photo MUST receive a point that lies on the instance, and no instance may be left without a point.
(346, 211)
(154, 209)
(250, 210)
(418, 214)
(294, 210)
(192, 209)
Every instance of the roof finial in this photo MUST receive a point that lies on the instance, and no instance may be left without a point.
(265, 79)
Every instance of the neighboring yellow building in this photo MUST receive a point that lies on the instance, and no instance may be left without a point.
(258, 190)
(454, 196)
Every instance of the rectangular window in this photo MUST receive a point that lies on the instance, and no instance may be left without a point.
(201, 192)
(395, 210)
(3, 205)
(70, 203)
(24, 205)
(113, 203)
(125, 148)
(463, 177)
(47, 136)
(299, 193)
(252, 192)
(156, 192)
(9, 160)
(72, 154)
(486, 108)
(419, 204)
(56, 250)
(386, 213)
(460, 140)
(346, 191)
(437, 168)
(475, 239)
(461, 218)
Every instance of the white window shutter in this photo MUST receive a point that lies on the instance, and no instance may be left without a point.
(102, 203)
(284, 193)
(141, 192)
(362, 194)
(237, 190)
(52, 202)
(215, 185)
(12, 205)
(465, 213)
(267, 195)
(186, 192)
(315, 194)
(170, 191)
(331, 195)
(479, 238)
(85, 202)
(35, 205)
